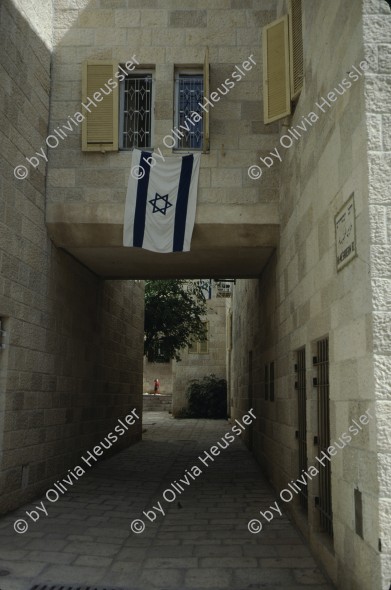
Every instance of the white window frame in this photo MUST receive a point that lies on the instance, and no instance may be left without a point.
(121, 117)
(199, 71)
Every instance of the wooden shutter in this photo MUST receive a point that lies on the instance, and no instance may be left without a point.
(205, 118)
(100, 126)
(203, 346)
(276, 84)
(296, 47)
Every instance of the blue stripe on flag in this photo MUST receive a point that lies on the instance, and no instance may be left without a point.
(141, 202)
(182, 201)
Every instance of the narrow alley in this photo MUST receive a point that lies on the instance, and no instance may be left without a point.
(201, 541)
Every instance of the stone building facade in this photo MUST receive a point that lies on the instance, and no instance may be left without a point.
(71, 355)
(204, 358)
(321, 327)
(237, 220)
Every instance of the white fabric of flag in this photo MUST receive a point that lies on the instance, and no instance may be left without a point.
(161, 202)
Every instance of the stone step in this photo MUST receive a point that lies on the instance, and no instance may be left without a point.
(156, 403)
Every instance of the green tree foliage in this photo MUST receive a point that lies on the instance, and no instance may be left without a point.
(173, 312)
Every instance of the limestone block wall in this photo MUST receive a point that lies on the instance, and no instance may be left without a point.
(197, 366)
(163, 35)
(72, 362)
(377, 39)
(301, 298)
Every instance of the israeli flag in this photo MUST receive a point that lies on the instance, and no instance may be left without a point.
(161, 202)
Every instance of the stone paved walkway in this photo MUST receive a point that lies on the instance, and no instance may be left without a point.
(201, 542)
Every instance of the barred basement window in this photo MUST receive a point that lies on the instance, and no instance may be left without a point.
(2, 335)
(321, 362)
(271, 386)
(189, 92)
(300, 386)
(136, 111)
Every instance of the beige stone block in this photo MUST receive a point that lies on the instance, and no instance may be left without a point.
(382, 294)
(382, 332)
(103, 178)
(382, 371)
(225, 110)
(97, 18)
(205, 178)
(163, 109)
(378, 227)
(249, 37)
(187, 55)
(61, 177)
(374, 126)
(74, 37)
(226, 177)
(169, 38)
(379, 170)
(210, 37)
(188, 18)
(127, 18)
(154, 18)
(374, 131)
(236, 158)
(149, 57)
(229, 19)
(65, 19)
(384, 517)
(238, 54)
(228, 195)
(257, 142)
(110, 37)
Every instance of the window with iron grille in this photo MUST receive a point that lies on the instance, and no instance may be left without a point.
(136, 111)
(321, 362)
(301, 389)
(189, 92)
(201, 346)
(266, 382)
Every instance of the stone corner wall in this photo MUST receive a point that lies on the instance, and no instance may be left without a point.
(72, 362)
(300, 297)
(377, 40)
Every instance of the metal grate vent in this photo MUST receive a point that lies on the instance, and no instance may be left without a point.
(322, 385)
(300, 368)
(72, 587)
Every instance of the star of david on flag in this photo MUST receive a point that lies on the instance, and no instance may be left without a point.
(161, 202)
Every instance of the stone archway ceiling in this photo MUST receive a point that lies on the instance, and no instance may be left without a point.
(234, 241)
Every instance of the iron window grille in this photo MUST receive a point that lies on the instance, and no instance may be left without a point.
(302, 421)
(321, 362)
(189, 92)
(2, 335)
(271, 382)
(136, 111)
(266, 382)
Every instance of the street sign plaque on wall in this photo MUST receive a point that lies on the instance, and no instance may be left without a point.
(345, 233)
